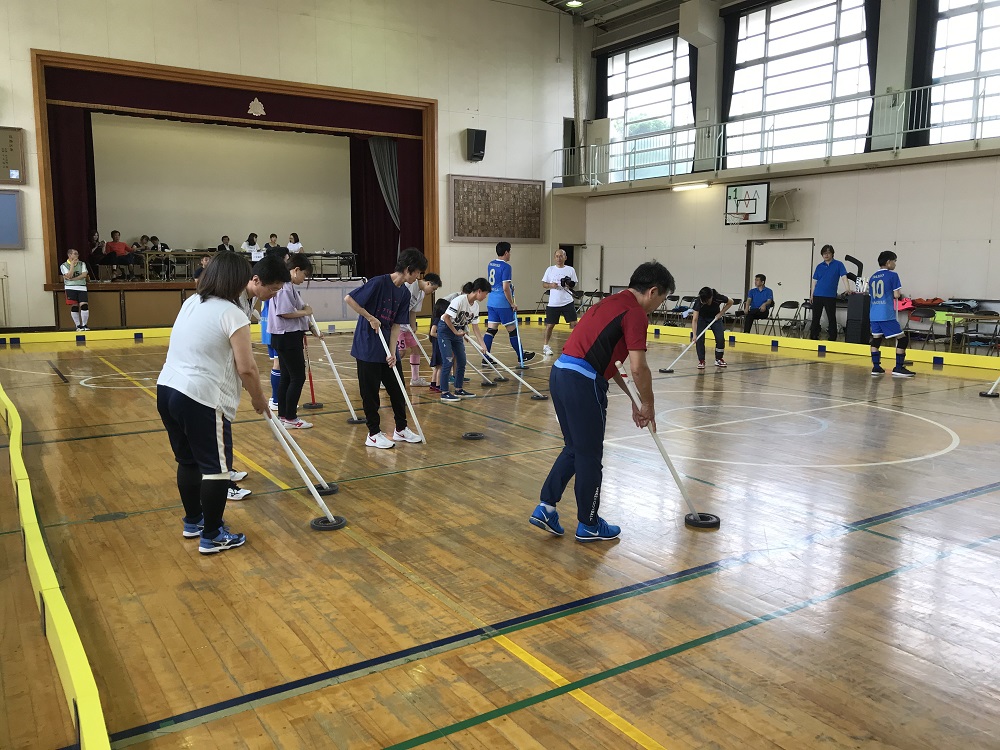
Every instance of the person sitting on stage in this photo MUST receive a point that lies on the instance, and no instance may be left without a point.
(224, 245)
(117, 253)
(294, 246)
(272, 244)
(250, 246)
(163, 266)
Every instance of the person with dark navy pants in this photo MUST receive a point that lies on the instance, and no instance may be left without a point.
(611, 331)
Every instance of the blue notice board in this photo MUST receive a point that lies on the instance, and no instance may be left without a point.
(11, 229)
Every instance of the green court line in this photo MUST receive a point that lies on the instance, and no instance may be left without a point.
(834, 532)
(681, 648)
(884, 536)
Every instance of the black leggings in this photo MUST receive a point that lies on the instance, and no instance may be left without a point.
(292, 361)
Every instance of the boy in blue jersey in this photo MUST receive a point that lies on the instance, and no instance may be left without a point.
(500, 307)
(885, 288)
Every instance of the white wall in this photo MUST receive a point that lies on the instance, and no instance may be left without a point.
(939, 219)
(189, 183)
(490, 65)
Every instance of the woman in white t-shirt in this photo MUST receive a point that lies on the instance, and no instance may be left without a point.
(294, 246)
(251, 245)
(198, 392)
(452, 330)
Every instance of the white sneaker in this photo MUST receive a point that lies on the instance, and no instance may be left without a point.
(238, 493)
(406, 435)
(420, 383)
(379, 441)
(546, 350)
(272, 404)
(295, 424)
(237, 476)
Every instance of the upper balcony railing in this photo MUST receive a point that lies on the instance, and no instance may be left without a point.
(965, 110)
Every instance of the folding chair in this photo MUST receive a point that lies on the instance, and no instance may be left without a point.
(777, 322)
(543, 302)
(687, 302)
(735, 315)
(920, 326)
(980, 336)
(670, 317)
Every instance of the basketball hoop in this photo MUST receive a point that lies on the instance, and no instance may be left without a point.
(737, 217)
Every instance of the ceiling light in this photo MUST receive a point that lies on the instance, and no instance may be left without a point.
(691, 186)
(574, 3)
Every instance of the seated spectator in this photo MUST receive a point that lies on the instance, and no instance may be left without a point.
(294, 246)
(251, 246)
(96, 247)
(117, 253)
(758, 303)
(205, 260)
(272, 244)
(225, 245)
(162, 267)
(141, 245)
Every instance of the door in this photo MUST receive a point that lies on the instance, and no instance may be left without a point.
(787, 264)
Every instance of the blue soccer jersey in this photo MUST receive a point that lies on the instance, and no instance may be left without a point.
(497, 272)
(882, 287)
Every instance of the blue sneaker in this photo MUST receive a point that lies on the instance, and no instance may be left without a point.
(191, 530)
(225, 540)
(601, 531)
(449, 398)
(544, 519)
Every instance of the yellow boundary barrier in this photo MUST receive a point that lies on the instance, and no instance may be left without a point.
(57, 623)
(533, 318)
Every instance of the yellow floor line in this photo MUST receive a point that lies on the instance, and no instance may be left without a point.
(618, 722)
(236, 454)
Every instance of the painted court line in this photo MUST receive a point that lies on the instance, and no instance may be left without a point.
(569, 688)
(278, 693)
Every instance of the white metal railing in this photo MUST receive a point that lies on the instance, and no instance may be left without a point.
(945, 112)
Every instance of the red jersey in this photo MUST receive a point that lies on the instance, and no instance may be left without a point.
(608, 331)
(118, 248)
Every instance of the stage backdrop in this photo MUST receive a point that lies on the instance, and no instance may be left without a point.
(190, 183)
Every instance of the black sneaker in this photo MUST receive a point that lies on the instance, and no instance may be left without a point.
(902, 372)
(527, 356)
(876, 371)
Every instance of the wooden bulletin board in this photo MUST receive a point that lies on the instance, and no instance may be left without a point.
(11, 156)
(491, 209)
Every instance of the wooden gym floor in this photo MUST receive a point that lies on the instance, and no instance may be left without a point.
(848, 601)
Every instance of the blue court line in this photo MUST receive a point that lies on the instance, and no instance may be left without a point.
(584, 682)
(469, 637)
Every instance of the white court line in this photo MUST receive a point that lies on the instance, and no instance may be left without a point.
(955, 440)
(736, 421)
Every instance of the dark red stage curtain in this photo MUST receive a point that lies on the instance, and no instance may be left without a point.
(74, 197)
(410, 166)
(207, 103)
(373, 232)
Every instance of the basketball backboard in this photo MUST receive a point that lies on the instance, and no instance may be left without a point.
(747, 204)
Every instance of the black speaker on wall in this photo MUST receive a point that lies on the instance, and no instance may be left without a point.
(475, 144)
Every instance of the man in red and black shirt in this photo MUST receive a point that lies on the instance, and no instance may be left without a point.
(612, 330)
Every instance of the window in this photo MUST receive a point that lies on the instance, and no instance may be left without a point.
(649, 100)
(801, 86)
(965, 97)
